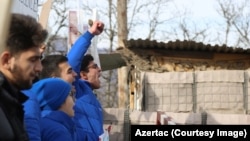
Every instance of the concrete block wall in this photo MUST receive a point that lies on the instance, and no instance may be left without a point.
(224, 92)
(143, 118)
(116, 116)
(225, 119)
(185, 118)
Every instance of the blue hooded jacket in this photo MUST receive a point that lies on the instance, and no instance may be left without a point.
(57, 125)
(32, 115)
(88, 111)
(32, 107)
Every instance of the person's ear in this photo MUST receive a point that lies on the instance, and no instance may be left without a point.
(6, 60)
(83, 75)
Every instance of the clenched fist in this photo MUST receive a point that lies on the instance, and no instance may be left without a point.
(96, 28)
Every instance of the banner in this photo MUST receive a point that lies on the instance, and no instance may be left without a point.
(76, 26)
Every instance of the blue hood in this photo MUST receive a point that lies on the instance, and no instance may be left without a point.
(51, 92)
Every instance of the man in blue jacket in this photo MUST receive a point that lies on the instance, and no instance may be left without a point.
(57, 125)
(53, 66)
(88, 111)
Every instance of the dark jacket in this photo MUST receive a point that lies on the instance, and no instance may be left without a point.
(11, 112)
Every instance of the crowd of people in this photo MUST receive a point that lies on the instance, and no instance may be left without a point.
(48, 98)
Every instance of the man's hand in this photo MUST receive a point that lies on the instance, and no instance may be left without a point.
(96, 28)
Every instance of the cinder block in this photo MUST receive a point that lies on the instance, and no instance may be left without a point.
(116, 136)
(236, 119)
(113, 114)
(185, 118)
(146, 117)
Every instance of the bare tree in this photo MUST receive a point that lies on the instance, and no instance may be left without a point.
(237, 22)
(149, 15)
(58, 21)
(111, 87)
(122, 31)
(191, 32)
(137, 10)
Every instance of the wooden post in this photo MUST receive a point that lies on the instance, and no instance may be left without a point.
(132, 93)
(5, 8)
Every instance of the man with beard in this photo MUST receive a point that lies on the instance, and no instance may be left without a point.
(53, 66)
(19, 65)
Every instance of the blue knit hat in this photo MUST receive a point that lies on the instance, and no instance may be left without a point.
(51, 92)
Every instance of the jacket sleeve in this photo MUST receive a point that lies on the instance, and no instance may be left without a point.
(78, 51)
(33, 129)
(32, 116)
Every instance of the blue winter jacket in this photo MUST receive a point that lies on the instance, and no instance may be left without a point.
(57, 126)
(32, 116)
(88, 111)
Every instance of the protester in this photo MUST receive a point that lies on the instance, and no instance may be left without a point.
(53, 66)
(88, 110)
(42, 49)
(31, 118)
(57, 66)
(56, 95)
(19, 65)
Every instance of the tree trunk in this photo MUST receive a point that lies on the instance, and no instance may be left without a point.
(122, 35)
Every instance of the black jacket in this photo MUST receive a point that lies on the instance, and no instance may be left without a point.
(11, 112)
